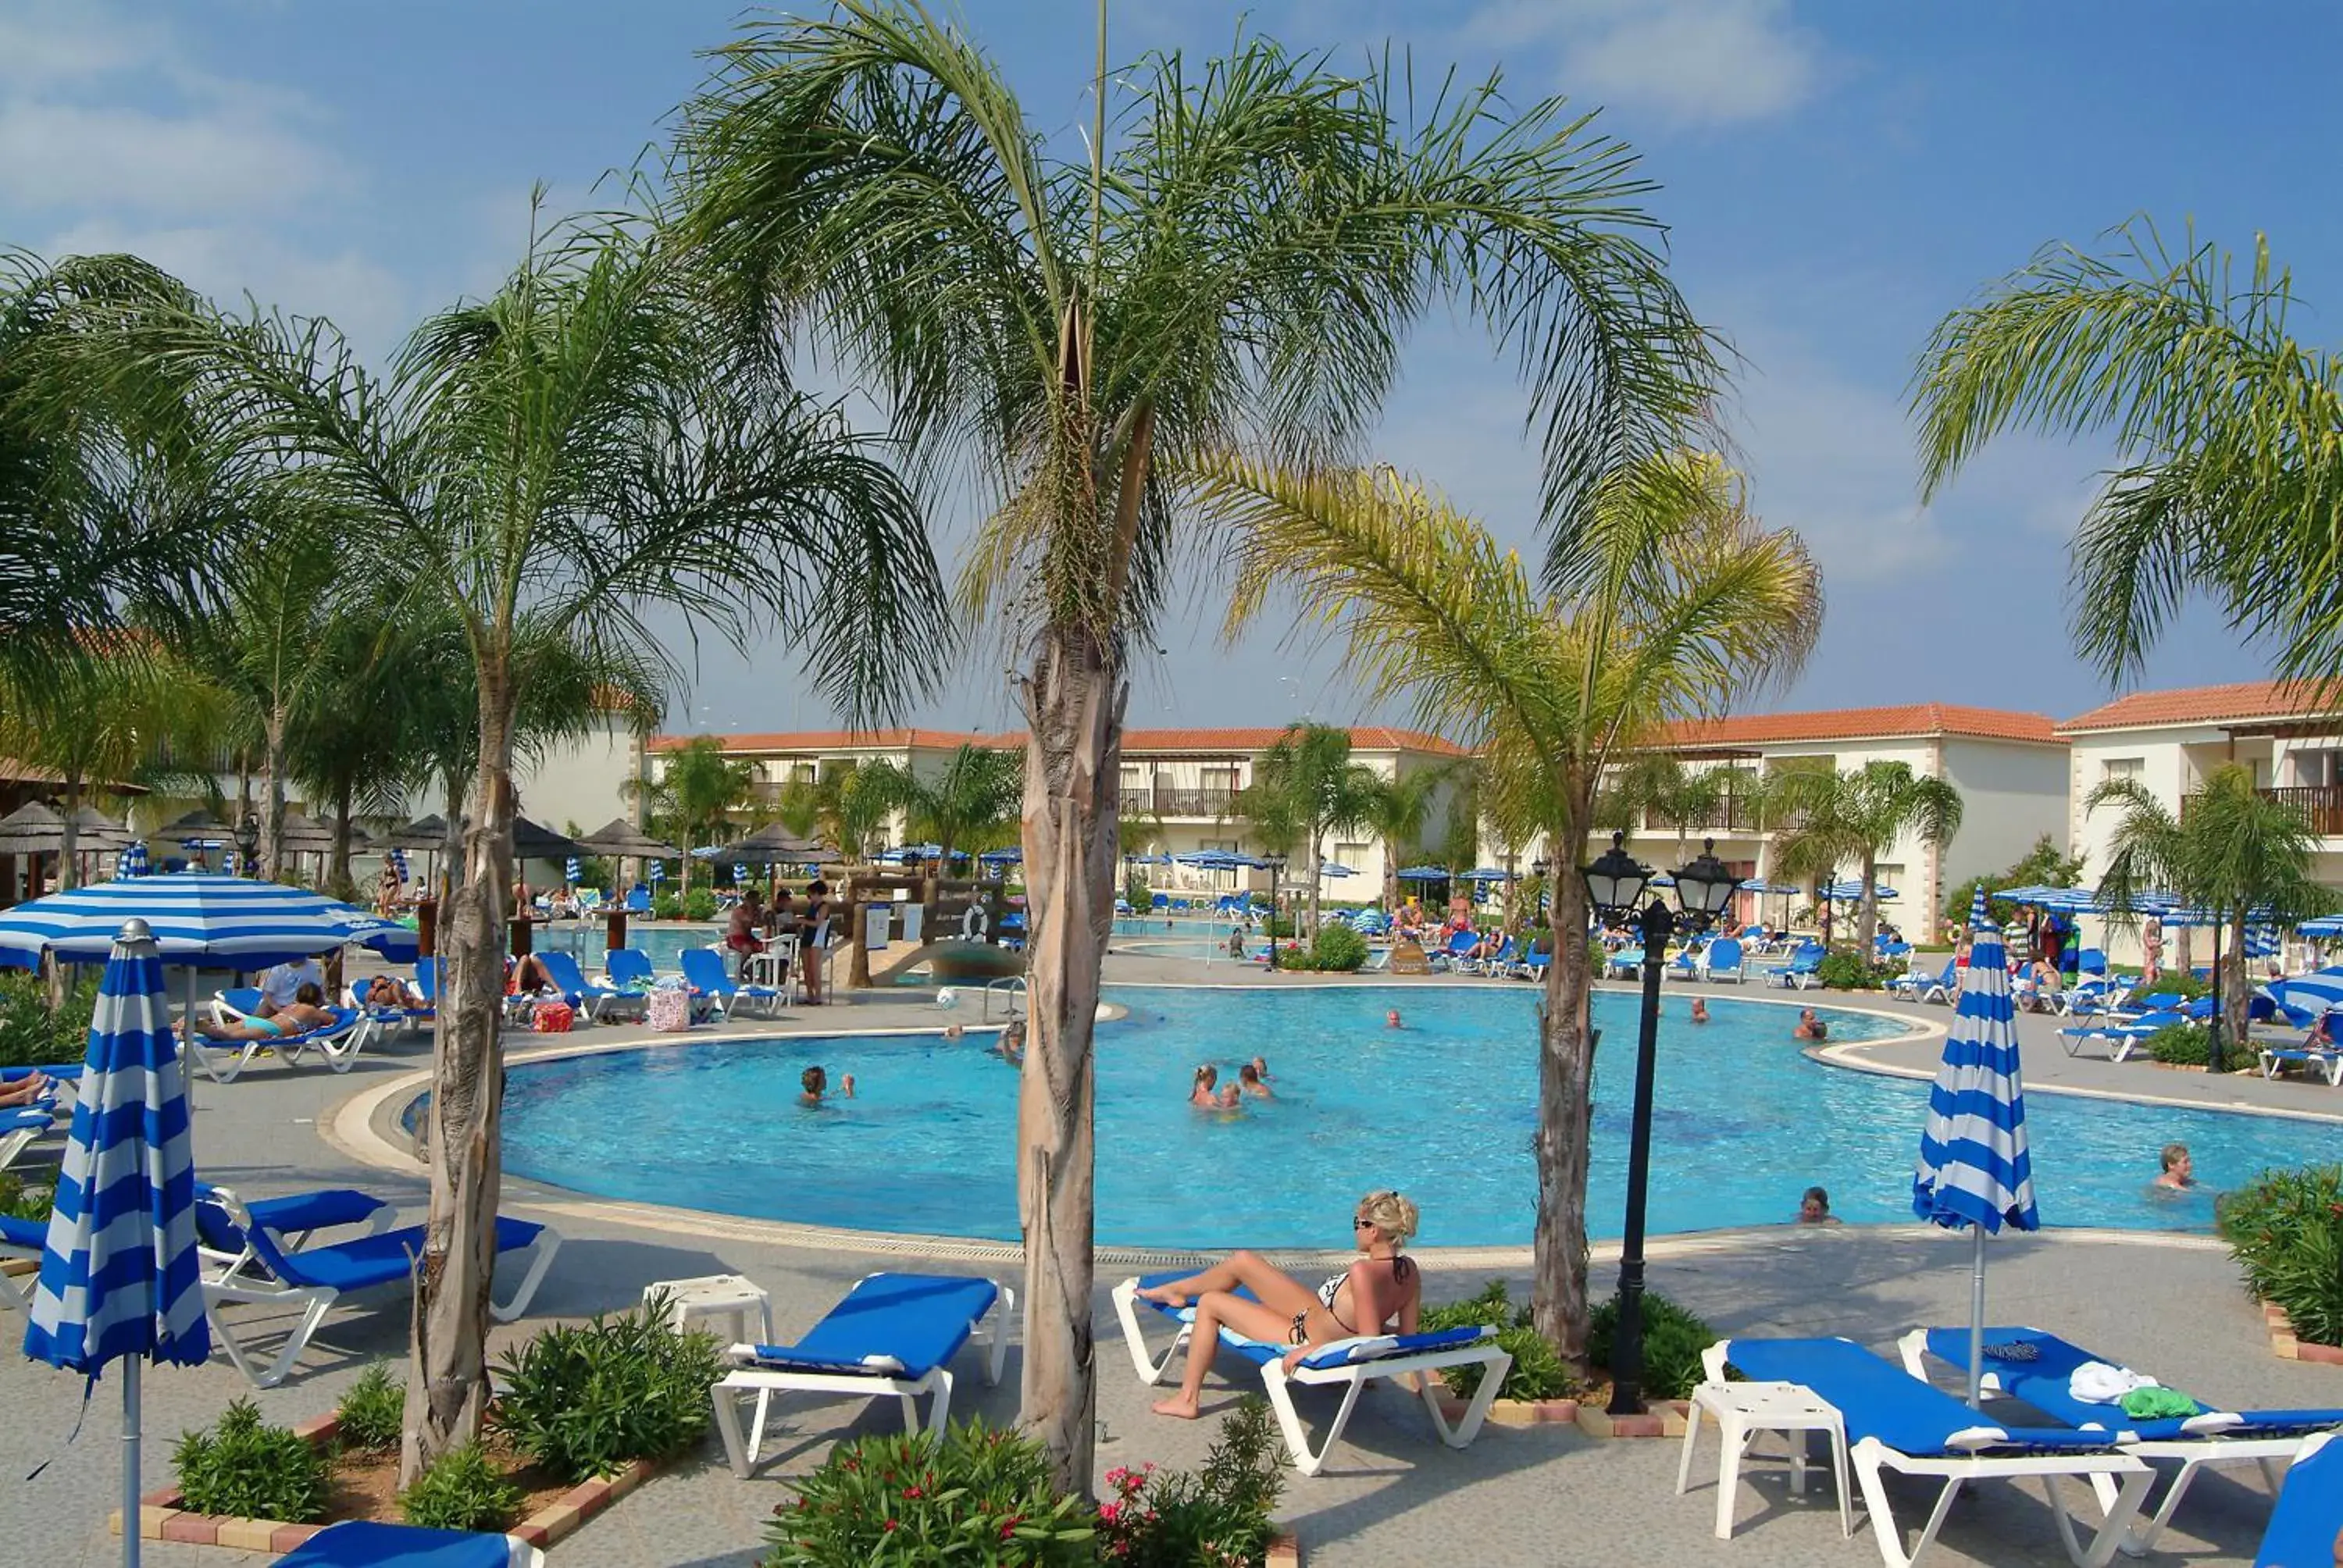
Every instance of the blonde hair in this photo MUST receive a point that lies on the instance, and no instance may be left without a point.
(1393, 1216)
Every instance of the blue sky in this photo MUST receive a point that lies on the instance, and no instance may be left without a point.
(1835, 178)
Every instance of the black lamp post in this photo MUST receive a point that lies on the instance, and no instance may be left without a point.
(248, 842)
(1614, 886)
(1276, 864)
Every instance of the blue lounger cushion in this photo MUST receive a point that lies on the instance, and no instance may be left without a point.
(15, 1232)
(2308, 1519)
(319, 1210)
(1878, 1398)
(902, 1325)
(17, 1117)
(362, 1543)
(367, 1261)
(2042, 1381)
(1343, 1352)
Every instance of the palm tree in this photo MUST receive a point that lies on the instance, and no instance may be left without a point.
(1667, 585)
(975, 794)
(1653, 786)
(540, 468)
(1306, 779)
(1241, 271)
(697, 792)
(1397, 813)
(2229, 481)
(1835, 817)
(2230, 851)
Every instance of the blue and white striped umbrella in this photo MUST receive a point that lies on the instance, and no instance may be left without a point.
(1974, 1167)
(195, 917)
(398, 861)
(2326, 927)
(132, 862)
(228, 862)
(119, 1274)
(400, 944)
(657, 872)
(740, 874)
(2303, 997)
(1848, 892)
(569, 869)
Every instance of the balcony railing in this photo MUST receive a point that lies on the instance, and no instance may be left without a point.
(1176, 802)
(2319, 804)
(1730, 816)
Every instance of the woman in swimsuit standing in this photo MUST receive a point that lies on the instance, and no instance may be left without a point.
(1383, 1287)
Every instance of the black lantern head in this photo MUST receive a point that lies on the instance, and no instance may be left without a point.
(1706, 887)
(1615, 882)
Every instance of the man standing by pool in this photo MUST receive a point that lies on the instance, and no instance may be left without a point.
(745, 935)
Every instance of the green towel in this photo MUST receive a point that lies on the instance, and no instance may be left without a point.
(2157, 1404)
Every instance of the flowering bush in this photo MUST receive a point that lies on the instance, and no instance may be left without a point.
(975, 1496)
(2286, 1227)
(1217, 1517)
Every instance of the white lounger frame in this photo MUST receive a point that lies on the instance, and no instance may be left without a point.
(1872, 1459)
(2207, 1446)
(2326, 1064)
(749, 1376)
(230, 1280)
(17, 1139)
(337, 1049)
(1352, 1377)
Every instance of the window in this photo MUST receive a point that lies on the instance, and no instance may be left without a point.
(2116, 767)
(1352, 855)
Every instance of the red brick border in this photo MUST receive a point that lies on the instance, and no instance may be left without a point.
(2284, 1343)
(1285, 1552)
(1665, 1418)
(160, 1517)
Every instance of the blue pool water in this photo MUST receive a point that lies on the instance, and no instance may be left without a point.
(1441, 1109)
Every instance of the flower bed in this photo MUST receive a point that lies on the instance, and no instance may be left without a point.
(1538, 1391)
(2284, 1229)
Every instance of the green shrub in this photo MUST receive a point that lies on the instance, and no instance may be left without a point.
(243, 1467)
(1137, 893)
(19, 1201)
(2182, 1044)
(374, 1411)
(1280, 924)
(1847, 972)
(700, 904)
(975, 1496)
(667, 905)
(585, 1399)
(1536, 1372)
(1674, 1339)
(1338, 948)
(461, 1490)
(1219, 1515)
(2285, 1228)
(30, 1034)
(2187, 987)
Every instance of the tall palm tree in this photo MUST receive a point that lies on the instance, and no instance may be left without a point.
(1240, 269)
(1669, 582)
(975, 794)
(2230, 851)
(1397, 812)
(698, 789)
(1306, 777)
(1837, 817)
(2229, 480)
(540, 468)
(1656, 787)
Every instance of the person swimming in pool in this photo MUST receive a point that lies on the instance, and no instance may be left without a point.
(1814, 1208)
(1699, 1009)
(1249, 1083)
(815, 1082)
(1009, 1045)
(1809, 1026)
(1391, 1019)
(1382, 1288)
(2179, 1171)
(1205, 1094)
(1260, 1067)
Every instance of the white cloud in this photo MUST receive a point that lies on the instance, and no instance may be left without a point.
(59, 155)
(1690, 62)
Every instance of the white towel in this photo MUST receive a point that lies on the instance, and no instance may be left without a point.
(2097, 1383)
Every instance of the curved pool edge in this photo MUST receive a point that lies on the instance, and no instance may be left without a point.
(1850, 1055)
(359, 1126)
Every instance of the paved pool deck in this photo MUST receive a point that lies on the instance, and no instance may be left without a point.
(1393, 1497)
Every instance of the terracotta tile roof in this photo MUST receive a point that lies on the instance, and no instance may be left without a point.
(1915, 718)
(1364, 738)
(2246, 700)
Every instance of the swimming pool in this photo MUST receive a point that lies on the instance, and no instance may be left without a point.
(1441, 1109)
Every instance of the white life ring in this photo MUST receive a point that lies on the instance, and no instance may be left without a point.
(973, 924)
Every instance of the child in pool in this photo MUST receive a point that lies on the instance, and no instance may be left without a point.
(1249, 1082)
(815, 1082)
(1205, 1094)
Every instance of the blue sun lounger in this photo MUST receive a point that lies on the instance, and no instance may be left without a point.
(1896, 1421)
(243, 1261)
(593, 998)
(2307, 1525)
(19, 1125)
(1349, 1364)
(703, 971)
(892, 1334)
(363, 1544)
(2037, 1366)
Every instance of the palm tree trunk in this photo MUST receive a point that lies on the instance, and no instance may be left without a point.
(447, 1370)
(1317, 880)
(1558, 1304)
(339, 882)
(2235, 984)
(1074, 702)
(272, 800)
(1867, 924)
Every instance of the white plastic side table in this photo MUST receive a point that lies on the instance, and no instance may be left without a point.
(1742, 1410)
(728, 1296)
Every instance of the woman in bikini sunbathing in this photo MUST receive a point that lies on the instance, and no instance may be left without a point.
(309, 1011)
(1379, 1289)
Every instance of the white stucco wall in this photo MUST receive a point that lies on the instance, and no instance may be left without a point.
(2011, 795)
(582, 781)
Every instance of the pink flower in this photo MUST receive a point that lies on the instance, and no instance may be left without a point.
(889, 1526)
(914, 1492)
(1109, 1512)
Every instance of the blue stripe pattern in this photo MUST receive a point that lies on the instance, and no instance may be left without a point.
(119, 1271)
(1974, 1166)
(194, 915)
(132, 862)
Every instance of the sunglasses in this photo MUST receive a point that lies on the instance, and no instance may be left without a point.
(1358, 1224)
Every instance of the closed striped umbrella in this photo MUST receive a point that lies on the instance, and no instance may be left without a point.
(569, 869)
(119, 1276)
(1974, 1167)
(657, 872)
(132, 860)
(195, 917)
(398, 862)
